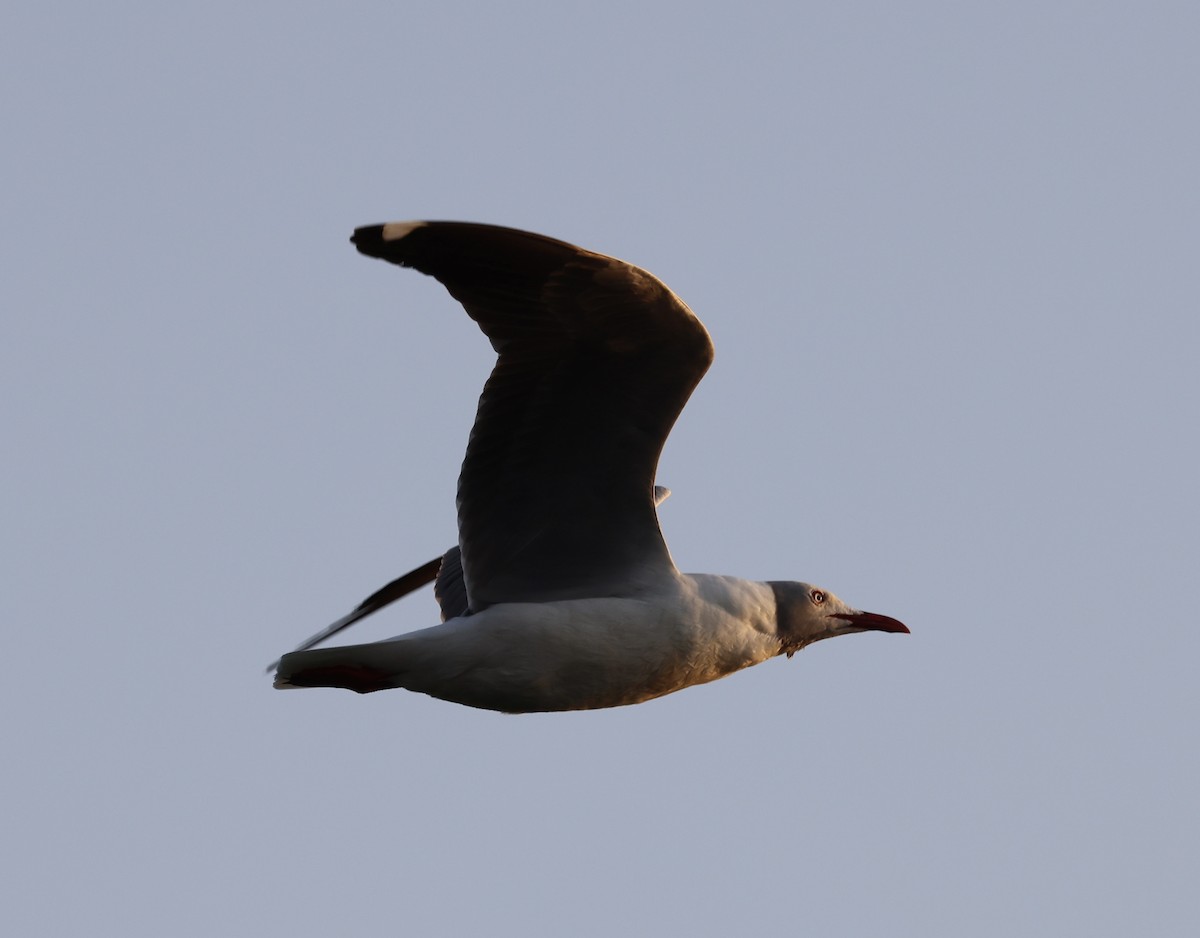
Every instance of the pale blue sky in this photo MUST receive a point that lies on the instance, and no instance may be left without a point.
(948, 257)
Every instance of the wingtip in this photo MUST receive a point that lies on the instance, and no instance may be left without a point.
(371, 239)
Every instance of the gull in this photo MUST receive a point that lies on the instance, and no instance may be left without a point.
(561, 593)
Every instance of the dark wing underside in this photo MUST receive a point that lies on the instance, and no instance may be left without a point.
(398, 588)
(596, 360)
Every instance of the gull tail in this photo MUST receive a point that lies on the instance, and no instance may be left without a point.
(363, 669)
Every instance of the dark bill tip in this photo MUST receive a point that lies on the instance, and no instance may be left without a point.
(872, 621)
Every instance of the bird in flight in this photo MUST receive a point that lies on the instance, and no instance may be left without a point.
(561, 593)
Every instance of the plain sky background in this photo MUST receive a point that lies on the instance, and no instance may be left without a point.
(948, 253)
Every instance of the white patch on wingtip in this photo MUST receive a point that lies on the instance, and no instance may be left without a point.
(396, 230)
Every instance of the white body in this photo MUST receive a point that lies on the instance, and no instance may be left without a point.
(583, 653)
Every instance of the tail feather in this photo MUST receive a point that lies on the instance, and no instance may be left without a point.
(350, 666)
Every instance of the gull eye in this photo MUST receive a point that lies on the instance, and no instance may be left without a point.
(817, 597)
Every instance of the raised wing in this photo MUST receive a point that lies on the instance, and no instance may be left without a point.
(596, 360)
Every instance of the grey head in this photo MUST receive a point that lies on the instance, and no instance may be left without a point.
(805, 614)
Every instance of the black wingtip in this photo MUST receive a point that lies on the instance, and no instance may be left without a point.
(380, 240)
(368, 240)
